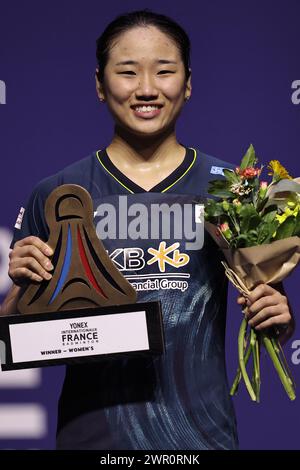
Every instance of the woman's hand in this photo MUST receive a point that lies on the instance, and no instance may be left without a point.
(29, 261)
(268, 307)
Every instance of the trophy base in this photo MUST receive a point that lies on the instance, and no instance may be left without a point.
(80, 336)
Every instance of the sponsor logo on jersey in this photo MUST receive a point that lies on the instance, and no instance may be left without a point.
(161, 256)
(19, 220)
(135, 259)
(217, 170)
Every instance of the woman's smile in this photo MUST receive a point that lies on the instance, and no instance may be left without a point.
(146, 111)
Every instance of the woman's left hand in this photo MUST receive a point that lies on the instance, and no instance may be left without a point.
(268, 307)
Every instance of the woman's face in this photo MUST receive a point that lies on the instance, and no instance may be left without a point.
(144, 81)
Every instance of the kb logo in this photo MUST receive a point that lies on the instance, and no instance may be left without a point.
(2, 92)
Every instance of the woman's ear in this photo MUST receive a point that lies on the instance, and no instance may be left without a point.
(99, 86)
(188, 86)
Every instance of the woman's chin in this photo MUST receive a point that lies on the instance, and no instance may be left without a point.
(144, 131)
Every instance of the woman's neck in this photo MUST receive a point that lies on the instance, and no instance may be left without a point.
(146, 161)
(126, 149)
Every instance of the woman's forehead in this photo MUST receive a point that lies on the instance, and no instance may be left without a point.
(142, 43)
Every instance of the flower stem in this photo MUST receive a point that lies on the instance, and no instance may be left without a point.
(281, 356)
(237, 379)
(254, 341)
(241, 338)
(285, 379)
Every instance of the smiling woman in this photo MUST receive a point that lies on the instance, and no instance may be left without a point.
(179, 400)
(145, 81)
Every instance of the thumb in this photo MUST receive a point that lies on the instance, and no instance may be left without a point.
(241, 300)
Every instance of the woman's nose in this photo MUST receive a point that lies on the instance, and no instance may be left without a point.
(146, 87)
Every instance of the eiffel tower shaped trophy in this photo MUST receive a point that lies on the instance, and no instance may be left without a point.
(88, 309)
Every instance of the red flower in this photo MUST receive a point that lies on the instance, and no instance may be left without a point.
(249, 172)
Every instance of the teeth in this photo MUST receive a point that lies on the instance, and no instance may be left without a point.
(146, 109)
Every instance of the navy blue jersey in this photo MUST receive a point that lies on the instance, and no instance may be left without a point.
(179, 400)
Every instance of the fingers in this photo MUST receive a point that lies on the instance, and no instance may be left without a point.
(29, 260)
(262, 290)
(274, 315)
(31, 252)
(264, 302)
(265, 307)
(30, 264)
(24, 273)
(273, 321)
(35, 241)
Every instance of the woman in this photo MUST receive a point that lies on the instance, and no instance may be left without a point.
(179, 400)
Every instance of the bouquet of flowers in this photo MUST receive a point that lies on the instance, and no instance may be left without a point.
(256, 223)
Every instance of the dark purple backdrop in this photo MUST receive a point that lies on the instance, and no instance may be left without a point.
(245, 57)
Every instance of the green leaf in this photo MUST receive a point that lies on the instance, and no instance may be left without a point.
(220, 188)
(286, 229)
(231, 176)
(266, 231)
(249, 159)
(261, 204)
(250, 223)
(269, 216)
(222, 193)
(214, 184)
(247, 210)
(213, 209)
(241, 241)
(250, 218)
(246, 239)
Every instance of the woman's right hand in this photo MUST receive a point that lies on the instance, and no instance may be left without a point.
(29, 261)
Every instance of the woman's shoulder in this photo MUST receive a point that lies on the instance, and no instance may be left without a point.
(214, 165)
(78, 172)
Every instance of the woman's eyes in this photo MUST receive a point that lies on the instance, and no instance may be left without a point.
(165, 71)
(161, 72)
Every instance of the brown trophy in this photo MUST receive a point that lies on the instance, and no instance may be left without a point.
(88, 308)
(83, 276)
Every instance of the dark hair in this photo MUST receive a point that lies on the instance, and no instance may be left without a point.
(146, 17)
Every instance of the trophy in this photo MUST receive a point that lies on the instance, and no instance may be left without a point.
(88, 309)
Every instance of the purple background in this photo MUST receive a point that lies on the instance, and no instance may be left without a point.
(245, 56)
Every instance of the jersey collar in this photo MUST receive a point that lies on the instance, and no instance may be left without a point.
(163, 186)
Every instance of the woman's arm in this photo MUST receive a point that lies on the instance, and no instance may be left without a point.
(9, 305)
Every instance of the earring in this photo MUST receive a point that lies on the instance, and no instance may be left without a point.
(186, 98)
(102, 100)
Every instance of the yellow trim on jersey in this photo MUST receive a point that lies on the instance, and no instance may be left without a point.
(188, 169)
(164, 190)
(112, 174)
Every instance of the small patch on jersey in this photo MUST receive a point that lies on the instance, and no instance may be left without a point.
(199, 213)
(217, 170)
(19, 220)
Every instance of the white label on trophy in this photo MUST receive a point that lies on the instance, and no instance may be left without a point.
(76, 337)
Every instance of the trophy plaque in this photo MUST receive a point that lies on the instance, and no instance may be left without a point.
(88, 309)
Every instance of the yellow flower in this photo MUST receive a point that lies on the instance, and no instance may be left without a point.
(278, 171)
(292, 210)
